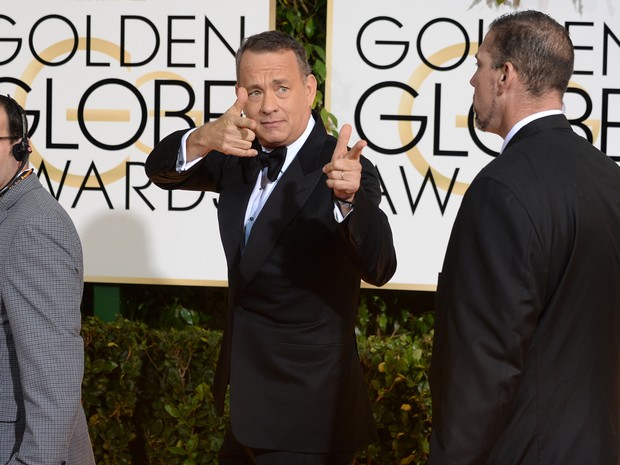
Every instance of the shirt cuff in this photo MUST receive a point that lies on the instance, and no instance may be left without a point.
(338, 215)
(182, 164)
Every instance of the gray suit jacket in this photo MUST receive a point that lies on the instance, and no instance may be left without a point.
(41, 352)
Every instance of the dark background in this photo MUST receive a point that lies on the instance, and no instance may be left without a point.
(166, 305)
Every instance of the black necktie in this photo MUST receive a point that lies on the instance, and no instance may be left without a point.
(273, 161)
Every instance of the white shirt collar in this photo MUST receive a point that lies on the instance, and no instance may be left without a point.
(293, 149)
(526, 120)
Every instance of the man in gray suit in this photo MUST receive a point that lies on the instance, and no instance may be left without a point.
(526, 357)
(42, 421)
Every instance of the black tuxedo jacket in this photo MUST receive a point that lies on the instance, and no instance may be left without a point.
(526, 362)
(289, 350)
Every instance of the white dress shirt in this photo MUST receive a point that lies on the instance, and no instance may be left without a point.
(264, 187)
(526, 120)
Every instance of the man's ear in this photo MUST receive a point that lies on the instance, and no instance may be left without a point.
(311, 86)
(506, 76)
(508, 73)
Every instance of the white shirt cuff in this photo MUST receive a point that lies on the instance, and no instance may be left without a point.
(182, 164)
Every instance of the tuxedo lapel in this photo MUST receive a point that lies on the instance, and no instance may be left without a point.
(287, 198)
(232, 206)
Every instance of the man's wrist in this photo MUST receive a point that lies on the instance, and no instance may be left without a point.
(345, 203)
(345, 206)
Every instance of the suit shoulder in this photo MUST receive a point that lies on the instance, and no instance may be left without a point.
(38, 207)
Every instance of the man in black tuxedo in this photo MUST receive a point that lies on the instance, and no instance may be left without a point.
(297, 395)
(526, 359)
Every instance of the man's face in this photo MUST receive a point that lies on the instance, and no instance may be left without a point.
(484, 82)
(279, 97)
(8, 163)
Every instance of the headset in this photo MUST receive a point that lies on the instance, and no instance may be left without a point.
(22, 150)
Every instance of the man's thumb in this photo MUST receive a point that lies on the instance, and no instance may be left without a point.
(242, 98)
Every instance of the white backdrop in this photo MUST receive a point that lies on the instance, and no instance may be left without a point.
(101, 80)
(399, 73)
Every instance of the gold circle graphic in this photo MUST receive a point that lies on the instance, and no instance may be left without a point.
(406, 106)
(35, 67)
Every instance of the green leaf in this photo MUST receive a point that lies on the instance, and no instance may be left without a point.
(192, 443)
(103, 366)
(173, 411)
(309, 28)
(320, 70)
(320, 51)
(177, 450)
(187, 316)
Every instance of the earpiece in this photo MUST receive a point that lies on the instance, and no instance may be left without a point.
(22, 150)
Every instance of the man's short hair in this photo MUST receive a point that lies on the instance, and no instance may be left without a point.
(274, 41)
(538, 47)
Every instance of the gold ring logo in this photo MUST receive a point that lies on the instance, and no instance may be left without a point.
(416, 80)
(112, 50)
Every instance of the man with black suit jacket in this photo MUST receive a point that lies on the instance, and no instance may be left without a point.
(297, 395)
(41, 351)
(526, 360)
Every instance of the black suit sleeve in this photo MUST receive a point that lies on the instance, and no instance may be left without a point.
(366, 234)
(161, 167)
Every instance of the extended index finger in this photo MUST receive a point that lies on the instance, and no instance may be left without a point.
(343, 141)
(356, 151)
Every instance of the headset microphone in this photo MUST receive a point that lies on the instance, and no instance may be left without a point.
(22, 149)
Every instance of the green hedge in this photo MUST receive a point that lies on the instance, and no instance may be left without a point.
(148, 400)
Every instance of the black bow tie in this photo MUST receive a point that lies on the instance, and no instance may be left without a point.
(272, 160)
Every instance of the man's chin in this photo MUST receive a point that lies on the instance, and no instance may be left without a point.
(270, 139)
(480, 125)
